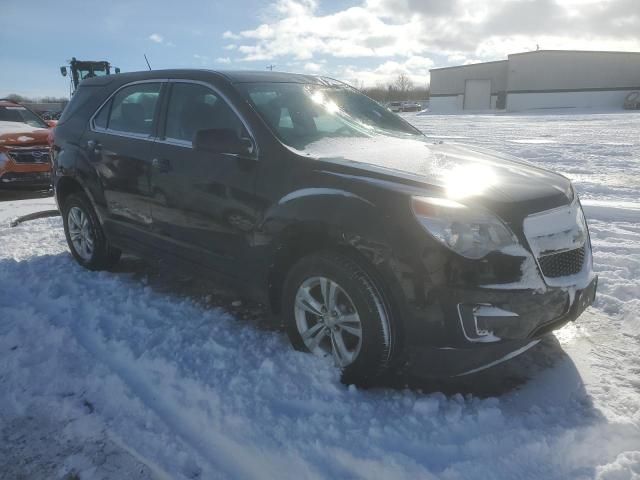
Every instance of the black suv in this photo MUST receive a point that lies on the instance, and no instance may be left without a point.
(370, 242)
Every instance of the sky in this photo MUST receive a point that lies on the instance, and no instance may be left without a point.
(364, 42)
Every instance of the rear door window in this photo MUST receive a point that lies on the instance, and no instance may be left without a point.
(131, 110)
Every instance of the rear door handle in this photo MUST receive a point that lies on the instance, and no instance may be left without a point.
(161, 164)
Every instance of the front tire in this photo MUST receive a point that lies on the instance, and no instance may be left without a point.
(333, 307)
(85, 236)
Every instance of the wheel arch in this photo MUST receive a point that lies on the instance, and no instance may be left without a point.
(310, 220)
(66, 186)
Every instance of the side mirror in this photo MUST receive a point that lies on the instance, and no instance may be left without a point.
(51, 123)
(117, 70)
(63, 71)
(223, 140)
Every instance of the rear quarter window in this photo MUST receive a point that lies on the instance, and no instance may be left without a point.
(102, 118)
(80, 98)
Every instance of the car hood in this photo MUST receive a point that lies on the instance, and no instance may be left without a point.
(463, 172)
(21, 134)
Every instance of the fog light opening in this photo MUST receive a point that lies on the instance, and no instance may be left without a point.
(475, 321)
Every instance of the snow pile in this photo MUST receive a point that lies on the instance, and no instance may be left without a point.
(133, 378)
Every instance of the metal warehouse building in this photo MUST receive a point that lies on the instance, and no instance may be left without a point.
(536, 80)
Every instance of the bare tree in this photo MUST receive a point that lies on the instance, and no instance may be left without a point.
(47, 99)
(403, 83)
(17, 98)
(53, 99)
(391, 91)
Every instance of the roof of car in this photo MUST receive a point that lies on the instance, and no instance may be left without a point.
(247, 76)
(233, 76)
(7, 102)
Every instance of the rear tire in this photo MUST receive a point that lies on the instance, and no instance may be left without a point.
(333, 307)
(85, 237)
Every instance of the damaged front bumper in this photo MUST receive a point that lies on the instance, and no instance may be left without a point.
(488, 317)
(494, 326)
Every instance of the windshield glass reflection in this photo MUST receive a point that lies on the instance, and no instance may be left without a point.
(300, 114)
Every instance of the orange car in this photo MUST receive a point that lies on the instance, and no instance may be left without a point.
(24, 147)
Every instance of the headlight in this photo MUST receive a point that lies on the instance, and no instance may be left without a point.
(4, 158)
(470, 232)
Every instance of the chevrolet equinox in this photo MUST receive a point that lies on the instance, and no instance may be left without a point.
(370, 243)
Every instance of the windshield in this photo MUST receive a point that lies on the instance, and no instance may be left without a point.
(300, 114)
(95, 71)
(21, 114)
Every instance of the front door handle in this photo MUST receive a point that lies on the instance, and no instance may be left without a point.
(161, 164)
(94, 146)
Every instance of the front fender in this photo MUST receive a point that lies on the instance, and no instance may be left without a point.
(333, 214)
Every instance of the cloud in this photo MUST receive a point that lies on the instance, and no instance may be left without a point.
(312, 67)
(407, 8)
(230, 35)
(394, 31)
(157, 38)
(203, 60)
(302, 33)
(223, 60)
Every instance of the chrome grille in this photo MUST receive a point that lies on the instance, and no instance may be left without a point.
(562, 264)
(30, 155)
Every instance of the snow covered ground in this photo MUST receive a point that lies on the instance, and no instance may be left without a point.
(17, 204)
(129, 375)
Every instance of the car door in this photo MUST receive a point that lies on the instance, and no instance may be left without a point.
(204, 206)
(120, 142)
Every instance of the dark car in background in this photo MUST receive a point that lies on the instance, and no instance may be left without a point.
(370, 243)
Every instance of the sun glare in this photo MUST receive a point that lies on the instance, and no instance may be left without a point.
(469, 180)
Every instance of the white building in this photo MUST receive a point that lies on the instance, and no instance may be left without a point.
(538, 80)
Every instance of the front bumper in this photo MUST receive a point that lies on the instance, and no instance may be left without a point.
(18, 180)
